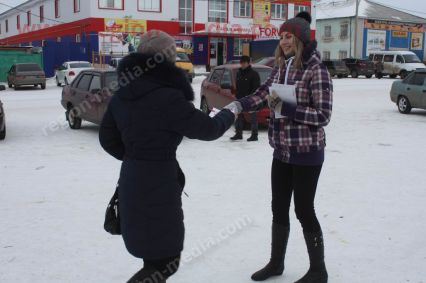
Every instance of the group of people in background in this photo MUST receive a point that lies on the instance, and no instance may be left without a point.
(147, 119)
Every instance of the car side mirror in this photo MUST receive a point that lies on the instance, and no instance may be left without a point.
(2, 87)
(226, 86)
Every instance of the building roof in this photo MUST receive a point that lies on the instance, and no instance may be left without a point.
(19, 8)
(367, 9)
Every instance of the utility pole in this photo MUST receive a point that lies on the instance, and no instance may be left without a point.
(356, 26)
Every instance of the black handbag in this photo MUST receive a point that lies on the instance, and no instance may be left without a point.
(112, 216)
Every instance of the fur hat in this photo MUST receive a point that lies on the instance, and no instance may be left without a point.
(159, 44)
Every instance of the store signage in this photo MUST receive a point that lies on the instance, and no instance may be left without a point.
(416, 41)
(261, 12)
(267, 32)
(401, 34)
(394, 26)
(125, 26)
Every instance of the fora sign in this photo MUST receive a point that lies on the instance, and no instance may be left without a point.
(269, 32)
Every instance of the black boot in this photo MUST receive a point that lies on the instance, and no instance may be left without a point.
(317, 272)
(253, 137)
(147, 274)
(238, 136)
(275, 266)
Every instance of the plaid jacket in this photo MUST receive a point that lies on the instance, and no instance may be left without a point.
(302, 128)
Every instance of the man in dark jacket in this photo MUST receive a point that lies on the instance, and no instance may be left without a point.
(248, 81)
(144, 124)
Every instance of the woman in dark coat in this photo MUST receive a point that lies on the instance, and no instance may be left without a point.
(145, 122)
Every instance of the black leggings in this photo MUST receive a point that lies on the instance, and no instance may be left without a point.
(302, 180)
(167, 266)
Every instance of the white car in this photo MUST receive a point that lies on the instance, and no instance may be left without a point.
(396, 63)
(68, 71)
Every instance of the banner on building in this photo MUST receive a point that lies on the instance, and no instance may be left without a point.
(416, 41)
(394, 26)
(400, 34)
(125, 26)
(376, 40)
(261, 13)
(117, 42)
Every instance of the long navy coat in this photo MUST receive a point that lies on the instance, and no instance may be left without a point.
(143, 126)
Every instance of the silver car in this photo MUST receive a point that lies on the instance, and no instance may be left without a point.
(410, 92)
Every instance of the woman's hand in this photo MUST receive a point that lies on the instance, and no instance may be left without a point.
(235, 107)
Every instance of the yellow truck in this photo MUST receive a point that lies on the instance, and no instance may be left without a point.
(183, 62)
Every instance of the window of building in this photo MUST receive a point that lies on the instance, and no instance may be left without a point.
(242, 8)
(327, 31)
(343, 54)
(326, 55)
(29, 18)
(7, 25)
(57, 9)
(301, 8)
(76, 6)
(18, 21)
(150, 5)
(344, 31)
(218, 11)
(41, 14)
(238, 46)
(278, 11)
(111, 4)
(185, 16)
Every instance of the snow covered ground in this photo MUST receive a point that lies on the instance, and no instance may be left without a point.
(54, 187)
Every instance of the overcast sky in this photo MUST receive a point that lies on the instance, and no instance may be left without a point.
(414, 5)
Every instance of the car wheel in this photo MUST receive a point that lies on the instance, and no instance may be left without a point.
(354, 74)
(73, 120)
(368, 76)
(66, 81)
(204, 106)
(403, 74)
(43, 86)
(404, 105)
(15, 87)
(3, 133)
(57, 82)
(340, 76)
(392, 76)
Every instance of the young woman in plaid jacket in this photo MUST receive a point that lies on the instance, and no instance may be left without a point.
(298, 140)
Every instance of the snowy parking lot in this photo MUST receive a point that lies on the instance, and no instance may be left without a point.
(55, 184)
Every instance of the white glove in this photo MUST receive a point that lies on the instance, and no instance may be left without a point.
(235, 107)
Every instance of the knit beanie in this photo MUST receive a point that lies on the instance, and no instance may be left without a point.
(158, 43)
(300, 26)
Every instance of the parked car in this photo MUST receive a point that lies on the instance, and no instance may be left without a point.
(230, 62)
(2, 118)
(87, 97)
(397, 63)
(360, 67)
(22, 74)
(411, 92)
(115, 61)
(267, 61)
(183, 62)
(66, 73)
(336, 68)
(219, 89)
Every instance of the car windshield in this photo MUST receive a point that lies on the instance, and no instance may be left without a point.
(28, 68)
(111, 81)
(182, 57)
(411, 59)
(264, 61)
(263, 74)
(80, 65)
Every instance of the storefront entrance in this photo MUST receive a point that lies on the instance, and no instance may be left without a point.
(217, 49)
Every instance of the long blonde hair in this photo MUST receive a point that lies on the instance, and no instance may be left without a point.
(298, 58)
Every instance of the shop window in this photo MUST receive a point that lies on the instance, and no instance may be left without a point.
(238, 46)
(76, 6)
(242, 8)
(278, 11)
(185, 16)
(218, 11)
(111, 4)
(150, 5)
(57, 9)
(41, 14)
(326, 55)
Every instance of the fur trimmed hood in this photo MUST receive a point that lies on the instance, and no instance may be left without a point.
(140, 74)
